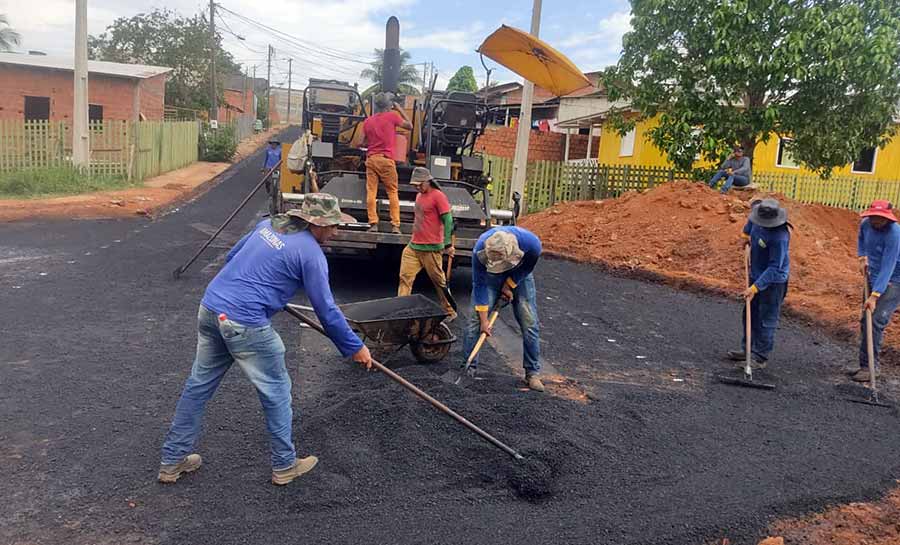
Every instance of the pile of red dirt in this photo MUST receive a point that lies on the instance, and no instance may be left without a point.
(689, 235)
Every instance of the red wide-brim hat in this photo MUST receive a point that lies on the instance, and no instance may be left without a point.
(882, 209)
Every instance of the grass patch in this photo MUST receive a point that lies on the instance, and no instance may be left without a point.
(62, 180)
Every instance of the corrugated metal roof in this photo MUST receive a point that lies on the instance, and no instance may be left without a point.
(135, 71)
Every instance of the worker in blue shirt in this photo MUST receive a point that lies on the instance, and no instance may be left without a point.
(262, 273)
(273, 184)
(878, 248)
(767, 232)
(502, 263)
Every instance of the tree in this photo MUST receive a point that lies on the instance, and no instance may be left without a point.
(408, 83)
(8, 36)
(164, 38)
(463, 80)
(825, 73)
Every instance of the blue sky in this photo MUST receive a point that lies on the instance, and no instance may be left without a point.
(443, 32)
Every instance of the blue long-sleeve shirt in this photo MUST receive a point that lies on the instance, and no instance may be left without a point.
(882, 250)
(529, 243)
(262, 274)
(273, 156)
(770, 262)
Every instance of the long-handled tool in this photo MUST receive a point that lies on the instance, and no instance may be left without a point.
(415, 390)
(747, 380)
(457, 378)
(870, 354)
(447, 293)
(181, 270)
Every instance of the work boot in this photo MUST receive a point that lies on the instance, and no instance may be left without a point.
(395, 229)
(301, 466)
(736, 355)
(534, 383)
(755, 363)
(169, 473)
(451, 315)
(373, 227)
(863, 375)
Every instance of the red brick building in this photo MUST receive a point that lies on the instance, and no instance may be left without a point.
(39, 87)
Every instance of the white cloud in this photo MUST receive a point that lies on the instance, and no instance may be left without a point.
(455, 41)
(609, 32)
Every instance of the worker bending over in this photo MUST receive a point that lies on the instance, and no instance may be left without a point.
(431, 234)
(502, 265)
(262, 273)
(878, 248)
(769, 238)
(380, 134)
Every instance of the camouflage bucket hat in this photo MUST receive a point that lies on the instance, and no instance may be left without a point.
(321, 209)
(501, 252)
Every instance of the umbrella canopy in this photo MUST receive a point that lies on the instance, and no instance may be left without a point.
(534, 60)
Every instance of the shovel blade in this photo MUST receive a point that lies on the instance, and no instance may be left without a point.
(744, 382)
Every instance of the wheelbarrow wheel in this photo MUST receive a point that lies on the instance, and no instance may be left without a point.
(426, 352)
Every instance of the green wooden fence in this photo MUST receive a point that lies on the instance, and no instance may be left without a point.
(134, 150)
(550, 182)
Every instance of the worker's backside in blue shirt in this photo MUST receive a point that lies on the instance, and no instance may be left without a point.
(882, 249)
(262, 274)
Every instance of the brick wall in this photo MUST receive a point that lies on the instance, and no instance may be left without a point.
(542, 146)
(116, 95)
(578, 146)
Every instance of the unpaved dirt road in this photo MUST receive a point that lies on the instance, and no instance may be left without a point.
(642, 445)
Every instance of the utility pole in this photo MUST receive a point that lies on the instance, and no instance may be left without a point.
(213, 99)
(520, 160)
(253, 93)
(269, 89)
(81, 138)
(290, 63)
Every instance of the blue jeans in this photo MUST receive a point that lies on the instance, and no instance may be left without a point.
(765, 312)
(524, 305)
(260, 354)
(733, 179)
(881, 317)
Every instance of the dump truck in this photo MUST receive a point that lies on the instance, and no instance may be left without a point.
(329, 157)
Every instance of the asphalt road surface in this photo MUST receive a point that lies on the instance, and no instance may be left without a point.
(634, 442)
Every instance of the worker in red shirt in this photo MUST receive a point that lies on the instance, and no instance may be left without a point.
(430, 238)
(379, 131)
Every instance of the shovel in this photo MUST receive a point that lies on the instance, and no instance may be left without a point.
(747, 380)
(312, 324)
(447, 293)
(870, 353)
(457, 378)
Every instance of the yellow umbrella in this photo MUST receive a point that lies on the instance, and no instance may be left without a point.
(534, 60)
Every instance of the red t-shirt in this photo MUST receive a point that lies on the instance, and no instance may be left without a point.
(428, 227)
(379, 130)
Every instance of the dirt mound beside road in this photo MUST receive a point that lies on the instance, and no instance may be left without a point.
(688, 234)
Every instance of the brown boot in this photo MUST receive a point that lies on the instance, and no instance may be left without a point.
(301, 466)
(534, 383)
(396, 230)
(169, 473)
(863, 375)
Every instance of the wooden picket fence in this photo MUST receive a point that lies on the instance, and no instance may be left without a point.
(550, 182)
(133, 150)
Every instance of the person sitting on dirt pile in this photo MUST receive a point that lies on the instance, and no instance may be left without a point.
(432, 230)
(878, 248)
(503, 260)
(769, 238)
(735, 170)
(261, 275)
(379, 131)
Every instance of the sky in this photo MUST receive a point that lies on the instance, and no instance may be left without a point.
(334, 38)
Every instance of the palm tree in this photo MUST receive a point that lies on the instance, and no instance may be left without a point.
(408, 83)
(8, 36)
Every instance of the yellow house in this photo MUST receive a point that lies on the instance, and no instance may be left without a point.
(634, 148)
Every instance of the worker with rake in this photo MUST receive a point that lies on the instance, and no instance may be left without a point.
(769, 238)
(502, 265)
(878, 248)
(431, 238)
(261, 275)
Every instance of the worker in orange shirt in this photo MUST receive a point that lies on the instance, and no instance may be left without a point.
(380, 132)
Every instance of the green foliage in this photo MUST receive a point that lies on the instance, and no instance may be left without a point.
(408, 83)
(463, 80)
(218, 146)
(164, 38)
(8, 36)
(262, 108)
(61, 180)
(823, 72)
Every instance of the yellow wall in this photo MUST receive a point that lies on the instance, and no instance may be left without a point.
(887, 159)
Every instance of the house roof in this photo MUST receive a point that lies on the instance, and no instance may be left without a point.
(133, 71)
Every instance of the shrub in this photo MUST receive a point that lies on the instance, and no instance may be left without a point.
(219, 145)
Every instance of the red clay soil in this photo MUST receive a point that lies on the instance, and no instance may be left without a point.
(689, 235)
(876, 523)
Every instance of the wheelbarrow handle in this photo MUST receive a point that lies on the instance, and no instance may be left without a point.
(293, 311)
